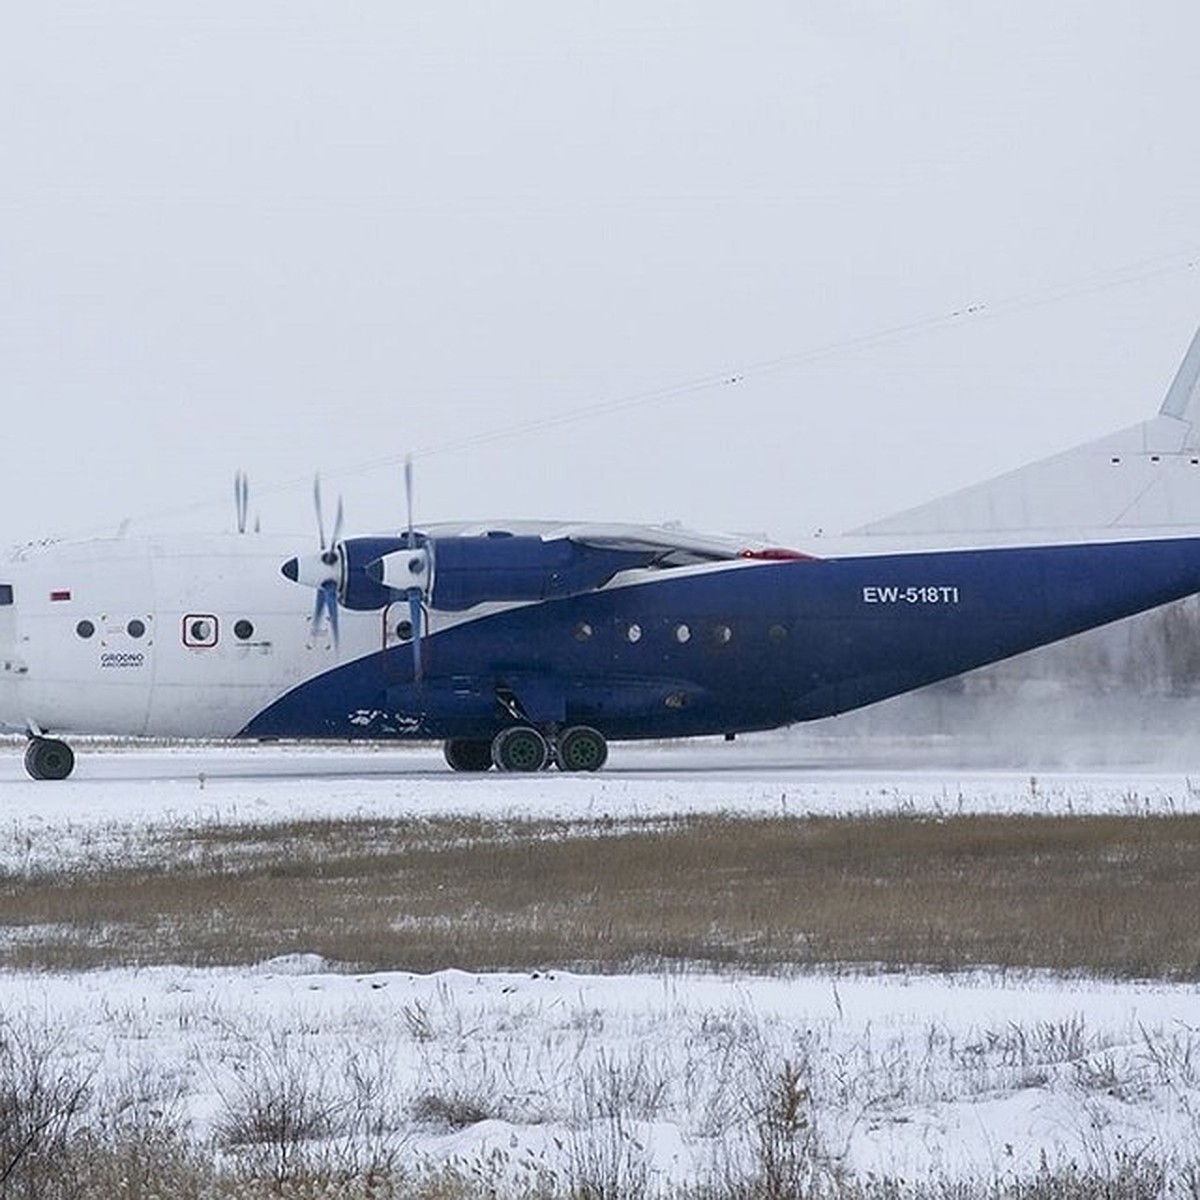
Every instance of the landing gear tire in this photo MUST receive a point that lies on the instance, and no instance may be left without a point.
(466, 754)
(520, 748)
(581, 748)
(48, 758)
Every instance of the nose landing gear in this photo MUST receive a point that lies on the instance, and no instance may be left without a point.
(48, 758)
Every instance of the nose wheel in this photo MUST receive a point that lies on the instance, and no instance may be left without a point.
(48, 758)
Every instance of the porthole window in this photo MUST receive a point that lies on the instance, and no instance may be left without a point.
(634, 632)
(243, 630)
(404, 630)
(85, 629)
(778, 634)
(682, 634)
(721, 635)
(200, 630)
(583, 631)
(136, 628)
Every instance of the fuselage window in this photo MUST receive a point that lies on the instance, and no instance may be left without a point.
(85, 629)
(136, 628)
(634, 632)
(200, 630)
(404, 630)
(778, 634)
(682, 634)
(243, 630)
(6, 593)
(583, 631)
(721, 634)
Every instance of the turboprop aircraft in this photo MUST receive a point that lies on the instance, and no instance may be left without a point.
(526, 645)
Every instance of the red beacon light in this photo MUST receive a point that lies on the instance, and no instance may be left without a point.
(777, 554)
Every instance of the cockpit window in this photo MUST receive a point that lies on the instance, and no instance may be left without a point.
(5, 593)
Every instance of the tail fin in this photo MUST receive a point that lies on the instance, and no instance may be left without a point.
(1183, 396)
(1146, 477)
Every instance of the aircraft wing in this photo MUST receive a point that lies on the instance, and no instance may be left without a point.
(681, 547)
(675, 545)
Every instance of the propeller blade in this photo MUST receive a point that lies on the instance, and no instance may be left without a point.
(408, 493)
(241, 499)
(317, 506)
(337, 524)
(326, 603)
(415, 617)
(330, 590)
(415, 612)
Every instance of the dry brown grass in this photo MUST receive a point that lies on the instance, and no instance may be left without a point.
(1110, 895)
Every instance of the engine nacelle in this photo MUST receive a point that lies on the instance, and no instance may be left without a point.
(456, 573)
(358, 588)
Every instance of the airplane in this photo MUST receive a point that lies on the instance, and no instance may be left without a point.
(525, 645)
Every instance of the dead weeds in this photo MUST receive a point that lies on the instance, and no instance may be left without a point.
(1115, 895)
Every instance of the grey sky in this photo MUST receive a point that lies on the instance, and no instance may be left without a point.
(297, 236)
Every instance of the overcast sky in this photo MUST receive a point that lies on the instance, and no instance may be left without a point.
(296, 236)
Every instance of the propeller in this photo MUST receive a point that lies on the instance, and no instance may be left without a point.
(327, 590)
(241, 499)
(323, 570)
(418, 566)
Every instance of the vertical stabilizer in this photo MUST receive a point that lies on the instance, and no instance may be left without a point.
(1183, 396)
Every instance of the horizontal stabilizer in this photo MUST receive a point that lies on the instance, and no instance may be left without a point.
(1144, 477)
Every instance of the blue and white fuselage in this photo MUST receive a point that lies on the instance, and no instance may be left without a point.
(205, 638)
(521, 645)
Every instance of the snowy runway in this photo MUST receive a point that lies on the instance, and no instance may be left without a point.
(115, 794)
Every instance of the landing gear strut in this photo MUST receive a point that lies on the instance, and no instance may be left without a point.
(48, 758)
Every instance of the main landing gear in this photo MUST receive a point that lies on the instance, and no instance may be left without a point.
(523, 748)
(48, 758)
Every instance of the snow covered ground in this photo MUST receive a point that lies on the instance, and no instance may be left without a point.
(913, 1077)
(665, 1076)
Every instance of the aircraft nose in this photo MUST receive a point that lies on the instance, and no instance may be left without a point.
(291, 570)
